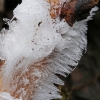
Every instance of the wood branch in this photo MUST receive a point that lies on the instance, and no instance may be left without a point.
(2, 5)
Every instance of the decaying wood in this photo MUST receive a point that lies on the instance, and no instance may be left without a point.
(77, 10)
(71, 11)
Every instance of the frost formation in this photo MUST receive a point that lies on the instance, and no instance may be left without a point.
(35, 48)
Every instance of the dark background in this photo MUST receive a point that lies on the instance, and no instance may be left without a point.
(84, 82)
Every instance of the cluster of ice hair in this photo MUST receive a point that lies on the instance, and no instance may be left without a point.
(35, 48)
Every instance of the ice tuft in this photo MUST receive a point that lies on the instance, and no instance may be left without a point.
(35, 48)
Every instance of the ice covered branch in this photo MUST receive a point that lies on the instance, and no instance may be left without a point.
(40, 42)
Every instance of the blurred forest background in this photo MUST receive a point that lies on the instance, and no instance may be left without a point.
(84, 82)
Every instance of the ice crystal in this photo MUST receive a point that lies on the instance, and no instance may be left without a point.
(34, 49)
